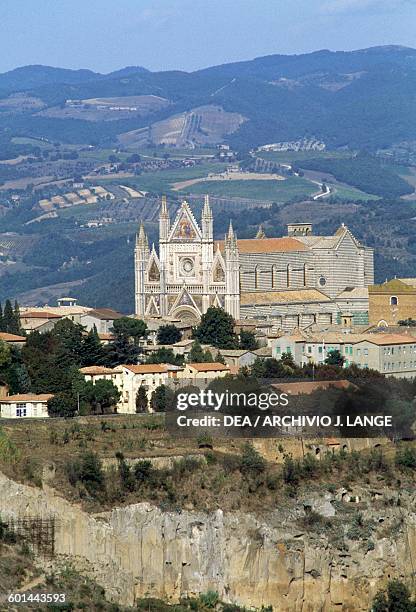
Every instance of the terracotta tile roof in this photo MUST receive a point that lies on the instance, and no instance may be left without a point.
(263, 351)
(6, 337)
(234, 352)
(26, 397)
(283, 297)
(384, 339)
(395, 285)
(96, 370)
(268, 245)
(209, 367)
(40, 315)
(148, 368)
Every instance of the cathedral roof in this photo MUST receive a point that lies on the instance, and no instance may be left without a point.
(268, 245)
(283, 297)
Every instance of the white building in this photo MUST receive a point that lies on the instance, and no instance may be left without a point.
(129, 378)
(102, 318)
(390, 354)
(25, 405)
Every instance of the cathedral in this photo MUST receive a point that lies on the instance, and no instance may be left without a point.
(294, 280)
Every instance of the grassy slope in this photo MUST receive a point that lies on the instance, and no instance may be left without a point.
(258, 190)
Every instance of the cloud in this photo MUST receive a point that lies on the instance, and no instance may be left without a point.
(361, 6)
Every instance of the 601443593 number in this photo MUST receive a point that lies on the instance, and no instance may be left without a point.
(21, 598)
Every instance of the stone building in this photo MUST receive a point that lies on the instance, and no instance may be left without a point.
(293, 281)
(392, 301)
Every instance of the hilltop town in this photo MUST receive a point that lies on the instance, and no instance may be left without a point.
(167, 237)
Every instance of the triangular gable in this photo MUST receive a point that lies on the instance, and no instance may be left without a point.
(152, 307)
(185, 227)
(217, 302)
(185, 299)
(342, 233)
(218, 268)
(153, 268)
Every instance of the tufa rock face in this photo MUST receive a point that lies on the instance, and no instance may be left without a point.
(140, 551)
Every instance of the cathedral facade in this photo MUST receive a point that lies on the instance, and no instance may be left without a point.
(189, 273)
(294, 280)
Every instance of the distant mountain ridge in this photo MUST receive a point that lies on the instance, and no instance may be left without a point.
(345, 98)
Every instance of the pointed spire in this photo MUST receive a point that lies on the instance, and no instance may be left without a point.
(231, 237)
(206, 212)
(164, 207)
(260, 232)
(141, 238)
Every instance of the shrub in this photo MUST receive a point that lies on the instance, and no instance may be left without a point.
(88, 470)
(406, 457)
(290, 471)
(395, 598)
(143, 470)
(209, 599)
(252, 463)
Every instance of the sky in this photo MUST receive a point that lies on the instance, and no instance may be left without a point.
(105, 35)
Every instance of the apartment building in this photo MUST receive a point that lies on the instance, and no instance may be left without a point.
(390, 354)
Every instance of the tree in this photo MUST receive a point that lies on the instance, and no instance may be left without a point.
(220, 358)
(165, 355)
(248, 340)
(198, 355)
(5, 356)
(270, 368)
(168, 334)
(120, 351)
(142, 403)
(92, 351)
(129, 328)
(69, 337)
(162, 399)
(62, 405)
(396, 598)
(101, 396)
(134, 158)
(217, 329)
(16, 314)
(335, 358)
(11, 320)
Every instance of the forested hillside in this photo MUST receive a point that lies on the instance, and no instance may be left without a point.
(343, 98)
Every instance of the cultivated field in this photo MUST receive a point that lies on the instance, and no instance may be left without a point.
(201, 125)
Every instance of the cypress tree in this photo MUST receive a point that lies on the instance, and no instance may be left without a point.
(16, 312)
(8, 318)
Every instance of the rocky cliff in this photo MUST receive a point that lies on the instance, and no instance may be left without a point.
(138, 550)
